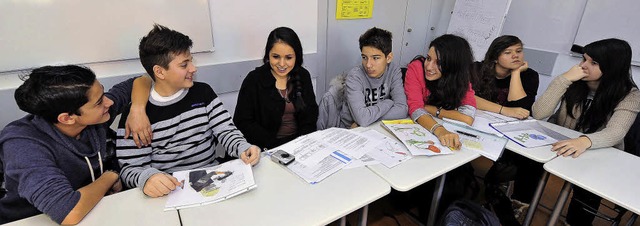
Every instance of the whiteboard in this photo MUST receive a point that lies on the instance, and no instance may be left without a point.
(611, 19)
(478, 21)
(42, 32)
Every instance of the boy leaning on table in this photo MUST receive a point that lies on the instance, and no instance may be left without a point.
(187, 118)
(374, 90)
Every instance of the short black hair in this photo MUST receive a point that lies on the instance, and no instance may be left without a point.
(52, 90)
(160, 46)
(377, 38)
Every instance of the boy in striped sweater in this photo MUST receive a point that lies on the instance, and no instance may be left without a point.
(187, 118)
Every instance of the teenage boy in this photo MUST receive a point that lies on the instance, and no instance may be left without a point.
(55, 159)
(374, 89)
(187, 118)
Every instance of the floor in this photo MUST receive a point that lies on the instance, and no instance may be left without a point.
(382, 213)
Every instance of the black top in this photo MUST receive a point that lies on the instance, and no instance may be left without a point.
(260, 107)
(529, 79)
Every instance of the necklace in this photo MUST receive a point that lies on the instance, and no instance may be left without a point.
(284, 96)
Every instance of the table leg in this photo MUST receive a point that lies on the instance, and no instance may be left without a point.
(437, 192)
(632, 219)
(562, 199)
(364, 213)
(536, 198)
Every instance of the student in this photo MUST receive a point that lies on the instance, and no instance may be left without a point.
(53, 157)
(505, 84)
(598, 98)
(503, 81)
(187, 117)
(440, 87)
(373, 90)
(276, 102)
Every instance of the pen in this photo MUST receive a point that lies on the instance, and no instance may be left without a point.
(466, 134)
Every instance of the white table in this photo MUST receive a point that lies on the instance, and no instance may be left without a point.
(420, 169)
(130, 207)
(542, 154)
(282, 198)
(607, 172)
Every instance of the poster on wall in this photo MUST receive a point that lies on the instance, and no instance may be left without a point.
(478, 21)
(354, 9)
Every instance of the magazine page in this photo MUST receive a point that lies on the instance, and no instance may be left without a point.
(210, 185)
(417, 139)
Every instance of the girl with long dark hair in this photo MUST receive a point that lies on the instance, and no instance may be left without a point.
(439, 87)
(505, 84)
(276, 102)
(598, 98)
(503, 81)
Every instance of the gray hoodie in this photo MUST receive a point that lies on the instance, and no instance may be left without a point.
(372, 99)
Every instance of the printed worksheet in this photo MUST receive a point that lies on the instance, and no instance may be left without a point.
(417, 139)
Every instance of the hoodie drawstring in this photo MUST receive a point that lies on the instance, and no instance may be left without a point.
(93, 177)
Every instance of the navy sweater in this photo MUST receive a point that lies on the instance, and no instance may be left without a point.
(43, 168)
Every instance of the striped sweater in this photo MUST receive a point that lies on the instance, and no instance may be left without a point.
(186, 131)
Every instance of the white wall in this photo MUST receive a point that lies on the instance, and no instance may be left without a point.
(549, 25)
(239, 47)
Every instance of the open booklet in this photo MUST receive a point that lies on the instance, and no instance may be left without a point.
(416, 138)
(528, 133)
(211, 185)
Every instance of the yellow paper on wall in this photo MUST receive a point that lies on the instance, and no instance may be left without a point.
(354, 9)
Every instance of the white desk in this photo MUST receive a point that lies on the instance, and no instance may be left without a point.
(607, 172)
(541, 154)
(420, 169)
(130, 207)
(282, 198)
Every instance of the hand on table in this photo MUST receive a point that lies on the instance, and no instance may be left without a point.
(160, 184)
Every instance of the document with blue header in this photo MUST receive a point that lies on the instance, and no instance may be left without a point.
(322, 153)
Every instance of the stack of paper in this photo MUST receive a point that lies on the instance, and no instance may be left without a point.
(322, 153)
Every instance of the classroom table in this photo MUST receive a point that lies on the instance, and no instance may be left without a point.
(420, 169)
(129, 207)
(283, 198)
(542, 154)
(607, 172)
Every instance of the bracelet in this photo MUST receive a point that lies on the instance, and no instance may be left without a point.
(438, 112)
(434, 127)
(500, 112)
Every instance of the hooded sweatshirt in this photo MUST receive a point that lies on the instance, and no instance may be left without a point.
(44, 168)
(373, 99)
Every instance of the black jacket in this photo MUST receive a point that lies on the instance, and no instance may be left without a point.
(260, 108)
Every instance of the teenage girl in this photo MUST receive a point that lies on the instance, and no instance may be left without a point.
(598, 98)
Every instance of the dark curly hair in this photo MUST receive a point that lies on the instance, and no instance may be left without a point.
(454, 60)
